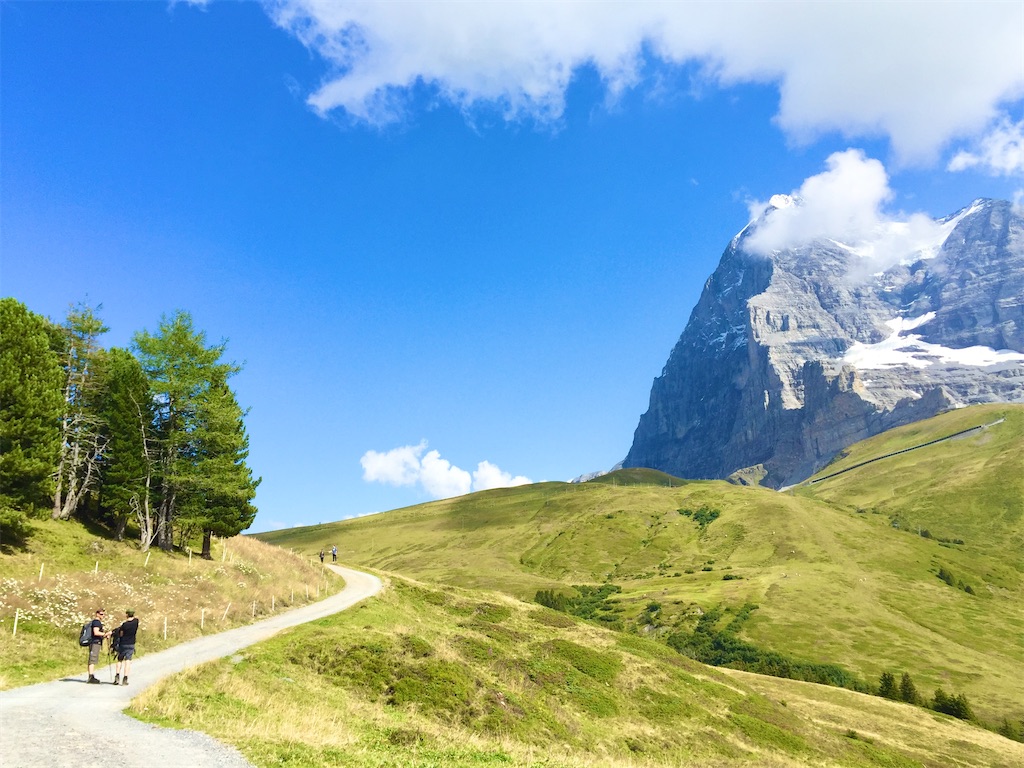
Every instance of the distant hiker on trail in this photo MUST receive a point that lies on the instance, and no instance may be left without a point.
(321, 557)
(334, 554)
(98, 636)
(125, 646)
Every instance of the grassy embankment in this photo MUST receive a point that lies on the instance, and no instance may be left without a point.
(835, 580)
(438, 676)
(65, 571)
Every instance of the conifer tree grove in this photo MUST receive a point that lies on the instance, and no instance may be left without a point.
(153, 436)
(30, 407)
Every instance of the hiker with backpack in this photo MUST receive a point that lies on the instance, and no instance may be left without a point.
(124, 646)
(95, 637)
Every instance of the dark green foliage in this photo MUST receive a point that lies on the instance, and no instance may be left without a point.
(887, 686)
(731, 577)
(703, 516)
(30, 393)
(1011, 730)
(908, 691)
(722, 647)
(588, 602)
(126, 468)
(205, 485)
(957, 706)
(947, 576)
(553, 600)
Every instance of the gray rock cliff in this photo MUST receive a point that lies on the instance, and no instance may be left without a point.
(794, 353)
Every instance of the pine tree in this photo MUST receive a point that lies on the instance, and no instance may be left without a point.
(205, 485)
(887, 686)
(126, 472)
(228, 486)
(908, 691)
(30, 402)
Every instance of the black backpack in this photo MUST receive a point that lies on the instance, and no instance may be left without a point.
(115, 641)
(85, 637)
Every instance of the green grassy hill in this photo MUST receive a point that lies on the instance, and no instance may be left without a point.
(428, 676)
(843, 572)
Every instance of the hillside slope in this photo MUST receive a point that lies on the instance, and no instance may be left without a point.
(440, 677)
(834, 579)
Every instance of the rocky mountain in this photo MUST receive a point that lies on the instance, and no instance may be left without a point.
(795, 351)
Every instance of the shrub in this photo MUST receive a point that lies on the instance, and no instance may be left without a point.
(703, 516)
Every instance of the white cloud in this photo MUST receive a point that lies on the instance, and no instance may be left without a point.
(845, 204)
(409, 465)
(1000, 152)
(441, 479)
(488, 475)
(919, 73)
(399, 466)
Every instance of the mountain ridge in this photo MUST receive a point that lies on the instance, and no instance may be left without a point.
(792, 354)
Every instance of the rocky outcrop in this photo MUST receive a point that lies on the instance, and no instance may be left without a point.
(790, 357)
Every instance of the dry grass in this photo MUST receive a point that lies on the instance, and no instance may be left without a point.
(922, 735)
(171, 592)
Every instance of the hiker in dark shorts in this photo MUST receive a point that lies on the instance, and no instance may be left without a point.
(321, 557)
(334, 554)
(98, 636)
(125, 647)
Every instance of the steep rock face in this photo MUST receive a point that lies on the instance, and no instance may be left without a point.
(792, 356)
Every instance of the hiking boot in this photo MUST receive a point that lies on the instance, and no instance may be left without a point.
(93, 680)
(125, 680)
(117, 679)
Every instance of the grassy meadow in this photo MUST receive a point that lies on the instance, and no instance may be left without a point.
(67, 570)
(429, 675)
(843, 572)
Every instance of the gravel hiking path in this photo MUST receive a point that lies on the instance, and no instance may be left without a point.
(69, 723)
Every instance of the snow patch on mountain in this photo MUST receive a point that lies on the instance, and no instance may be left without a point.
(901, 348)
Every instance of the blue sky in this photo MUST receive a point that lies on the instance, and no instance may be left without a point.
(453, 243)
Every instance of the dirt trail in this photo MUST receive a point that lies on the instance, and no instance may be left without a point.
(69, 723)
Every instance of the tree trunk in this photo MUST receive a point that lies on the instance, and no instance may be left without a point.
(206, 546)
(164, 534)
